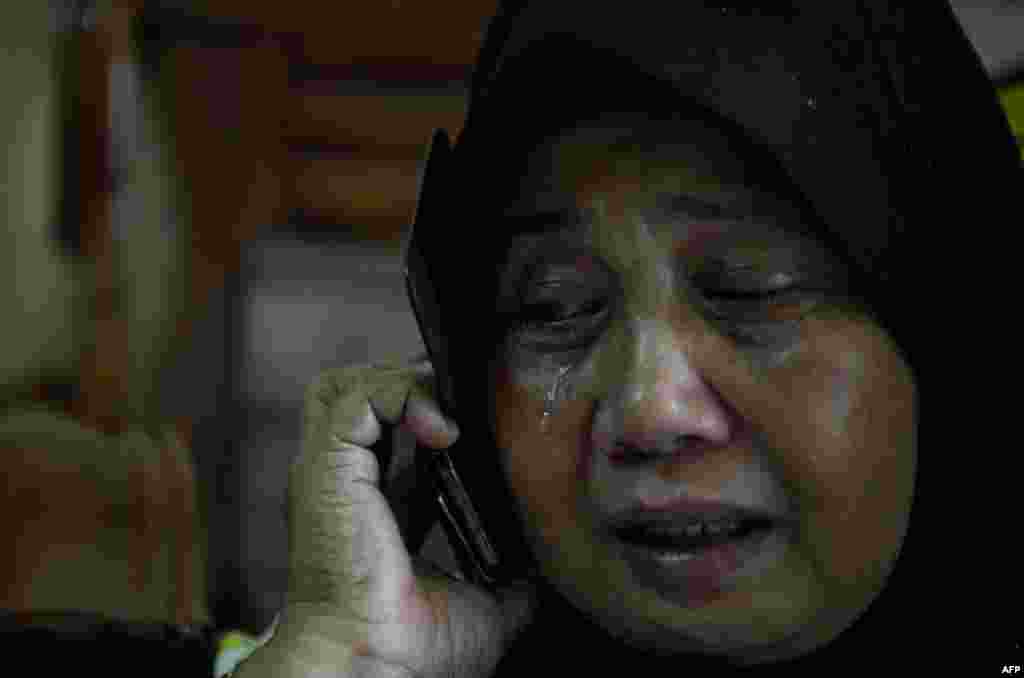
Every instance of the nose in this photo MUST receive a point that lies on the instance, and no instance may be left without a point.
(662, 408)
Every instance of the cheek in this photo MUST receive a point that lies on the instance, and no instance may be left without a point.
(542, 454)
(853, 399)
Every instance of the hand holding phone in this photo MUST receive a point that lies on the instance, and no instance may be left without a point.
(358, 603)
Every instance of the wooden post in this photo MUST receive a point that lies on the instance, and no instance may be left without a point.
(103, 366)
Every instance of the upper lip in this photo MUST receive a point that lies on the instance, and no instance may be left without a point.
(686, 509)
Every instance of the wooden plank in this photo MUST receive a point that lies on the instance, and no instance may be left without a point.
(229, 110)
(399, 120)
(335, 32)
(360, 191)
(327, 78)
(382, 229)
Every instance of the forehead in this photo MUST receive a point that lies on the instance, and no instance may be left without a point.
(658, 168)
(637, 153)
(672, 178)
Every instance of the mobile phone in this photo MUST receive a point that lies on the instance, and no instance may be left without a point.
(475, 550)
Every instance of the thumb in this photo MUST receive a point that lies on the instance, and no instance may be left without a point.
(346, 548)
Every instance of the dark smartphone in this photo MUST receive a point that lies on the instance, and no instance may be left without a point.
(476, 552)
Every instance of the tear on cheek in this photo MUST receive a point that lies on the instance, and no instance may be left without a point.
(544, 386)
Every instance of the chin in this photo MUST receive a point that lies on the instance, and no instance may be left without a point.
(761, 634)
(739, 647)
(741, 627)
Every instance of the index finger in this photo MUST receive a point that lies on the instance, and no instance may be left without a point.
(348, 405)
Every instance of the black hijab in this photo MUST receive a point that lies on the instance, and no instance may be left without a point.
(880, 119)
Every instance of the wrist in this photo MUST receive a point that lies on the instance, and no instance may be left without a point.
(297, 645)
(303, 657)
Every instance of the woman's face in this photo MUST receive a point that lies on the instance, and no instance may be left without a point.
(711, 443)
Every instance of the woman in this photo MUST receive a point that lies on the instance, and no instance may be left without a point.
(710, 422)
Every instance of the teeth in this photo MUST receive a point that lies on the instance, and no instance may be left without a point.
(689, 530)
(670, 557)
(698, 528)
(713, 528)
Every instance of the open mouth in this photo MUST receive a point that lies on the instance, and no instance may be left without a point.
(692, 550)
(691, 536)
(692, 558)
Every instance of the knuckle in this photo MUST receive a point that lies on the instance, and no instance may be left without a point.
(341, 402)
(334, 383)
(366, 379)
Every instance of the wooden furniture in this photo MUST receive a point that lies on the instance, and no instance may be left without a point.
(307, 115)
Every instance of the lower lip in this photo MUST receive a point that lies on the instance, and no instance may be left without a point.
(697, 578)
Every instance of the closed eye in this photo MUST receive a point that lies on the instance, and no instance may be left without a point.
(553, 325)
(733, 294)
(555, 313)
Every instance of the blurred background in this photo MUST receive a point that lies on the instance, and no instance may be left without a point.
(237, 178)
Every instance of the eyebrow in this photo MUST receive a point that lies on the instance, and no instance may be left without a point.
(676, 205)
(684, 204)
